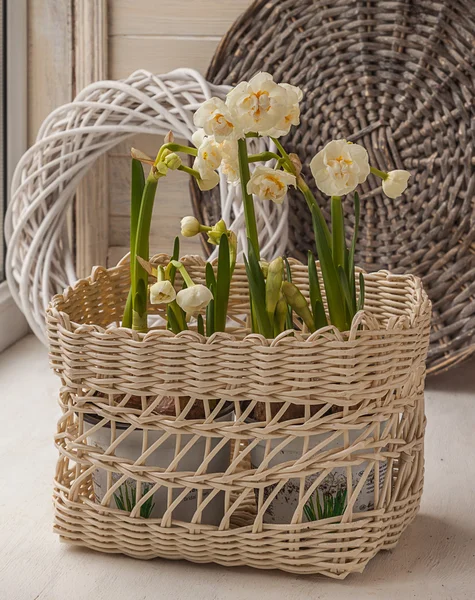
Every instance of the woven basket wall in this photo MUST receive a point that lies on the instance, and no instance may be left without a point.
(360, 393)
(398, 78)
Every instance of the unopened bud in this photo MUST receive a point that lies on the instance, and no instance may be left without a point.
(169, 138)
(297, 301)
(275, 276)
(295, 160)
(173, 161)
(264, 267)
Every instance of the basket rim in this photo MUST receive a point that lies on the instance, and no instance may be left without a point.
(374, 325)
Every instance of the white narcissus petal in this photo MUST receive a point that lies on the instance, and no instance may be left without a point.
(162, 292)
(215, 118)
(269, 184)
(194, 299)
(396, 183)
(198, 137)
(340, 167)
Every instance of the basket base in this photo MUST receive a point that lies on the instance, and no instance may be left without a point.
(326, 547)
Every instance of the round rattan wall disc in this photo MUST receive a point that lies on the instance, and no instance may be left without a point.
(398, 78)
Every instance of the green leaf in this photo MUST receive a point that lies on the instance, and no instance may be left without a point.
(136, 190)
(172, 320)
(290, 320)
(338, 232)
(331, 279)
(223, 282)
(200, 325)
(319, 315)
(316, 301)
(257, 293)
(346, 291)
(362, 293)
(351, 254)
(175, 256)
(210, 312)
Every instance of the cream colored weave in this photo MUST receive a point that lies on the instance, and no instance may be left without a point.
(369, 380)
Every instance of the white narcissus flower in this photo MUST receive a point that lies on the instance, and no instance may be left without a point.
(209, 151)
(340, 167)
(190, 226)
(162, 292)
(291, 115)
(215, 118)
(396, 183)
(194, 299)
(258, 105)
(230, 162)
(269, 184)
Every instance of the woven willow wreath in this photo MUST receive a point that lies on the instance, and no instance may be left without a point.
(40, 259)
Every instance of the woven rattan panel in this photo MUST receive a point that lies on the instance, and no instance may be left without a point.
(398, 78)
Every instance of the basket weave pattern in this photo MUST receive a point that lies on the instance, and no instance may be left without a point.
(362, 389)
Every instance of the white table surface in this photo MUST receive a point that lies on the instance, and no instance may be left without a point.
(435, 558)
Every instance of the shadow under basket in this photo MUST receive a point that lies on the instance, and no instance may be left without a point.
(328, 474)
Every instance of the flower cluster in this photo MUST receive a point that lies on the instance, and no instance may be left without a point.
(261, 107)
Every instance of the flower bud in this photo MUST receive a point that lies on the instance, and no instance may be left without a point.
(280, 315)
(297, 301)
(173, 161)
(162, 292)
(194, 299)
(161, 168)
(264, 267)
(190, 226)
(296, 162)
(275, 275)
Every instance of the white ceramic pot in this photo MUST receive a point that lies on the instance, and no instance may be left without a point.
(131, 448)
(329, 499)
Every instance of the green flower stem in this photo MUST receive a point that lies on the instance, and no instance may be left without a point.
(250, 216)
(184, 273)
(177, 148)
(263, 157)
(312, 203)
(381, 174)
(190, 171)
(281, 149)
(338, 232)
(140, 275)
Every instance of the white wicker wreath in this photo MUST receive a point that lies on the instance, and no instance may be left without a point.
(40, 261)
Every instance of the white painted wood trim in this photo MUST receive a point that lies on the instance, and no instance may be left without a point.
(13, 324)
(92, 209)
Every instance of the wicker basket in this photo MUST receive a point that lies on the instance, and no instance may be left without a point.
(398, 78)
(362, 415)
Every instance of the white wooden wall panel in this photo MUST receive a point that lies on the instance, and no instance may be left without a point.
(159, 54)
(182, 17)
(159, 37)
